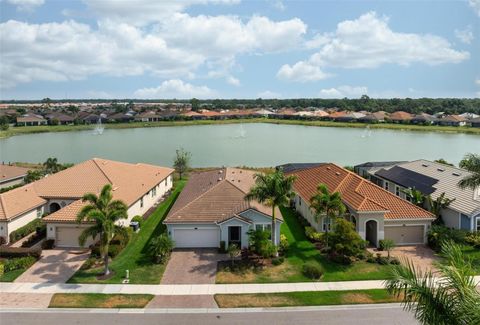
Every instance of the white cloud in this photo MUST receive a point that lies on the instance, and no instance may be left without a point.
(301, 71)
(233, 81)
(343, 91)
(267, 94)
(475, 4)
(26, 5)
(477, 81)
(278, 4)
(465, 35)
(175, 88)
(368, 42)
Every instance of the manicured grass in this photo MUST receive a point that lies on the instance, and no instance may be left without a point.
(99, 300)
(474, 254)
(301, 251)
(135, 256)
(305, 298)
(12, 275)
(64, 128)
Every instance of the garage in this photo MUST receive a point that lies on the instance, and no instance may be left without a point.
(68, 237)
(196, 237)
(405, 235)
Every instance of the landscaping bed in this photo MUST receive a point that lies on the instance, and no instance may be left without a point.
(16, 260)
(300, 252)
(99, 300)
(305, 298)
(135, 256)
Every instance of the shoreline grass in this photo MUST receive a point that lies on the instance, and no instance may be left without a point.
(305, 298)
(13, 131)
(99, 300)
(134, 257)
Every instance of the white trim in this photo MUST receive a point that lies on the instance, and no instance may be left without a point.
(234, 217)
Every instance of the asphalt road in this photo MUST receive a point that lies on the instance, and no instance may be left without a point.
(358, 315)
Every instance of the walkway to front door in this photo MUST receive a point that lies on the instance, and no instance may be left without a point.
(192, 266)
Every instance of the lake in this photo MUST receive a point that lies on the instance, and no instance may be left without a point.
(241, 145)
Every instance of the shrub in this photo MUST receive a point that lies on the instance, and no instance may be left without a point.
(473, 239)
(88, 263)
(267, 249)
(40, 233)
(278, 260)
(114, 250)
(25, 230)
(439, 234)
(313, 235)
(160, 248)
(283, 243)
(382, 260)
(48, 244)
(138, 219)
(13, 252)
(344, 240)
(312, 270)
(19, 263)
(342, 259)
(395, 261)
(387, 245)
(257, 239)
(222, 248)
(233, 251)
(2, 268)
(3, 241)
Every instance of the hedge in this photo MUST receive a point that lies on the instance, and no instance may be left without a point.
(26, 230)
(12, 252)
(18, 263)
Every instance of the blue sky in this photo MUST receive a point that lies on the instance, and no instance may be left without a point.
(239, 49)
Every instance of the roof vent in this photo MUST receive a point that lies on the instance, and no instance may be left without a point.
(425, 165)
(456, 174)
(328, 168)
(219, 179)
(337, 173)
(440, 169)
(220, 171)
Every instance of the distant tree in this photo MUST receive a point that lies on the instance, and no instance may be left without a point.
(51, 166)
(444, 162)
(328, 205)
(54, 121)
(104, 213)
(470, 162)
(130, 105)
(195, 104)
(274, 190)
(416, 197)
(73, 109)
(436, 206)
(181, 162)
(4, 123)
(21, 111)
(350, 168)
(33, 175)
(47, 101)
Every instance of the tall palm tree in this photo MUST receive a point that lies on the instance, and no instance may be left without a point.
(470, 162)
(326, 204)
(51, 165)
(416, 196)
(104, 213)
(447, 298)
(436, 206)
(274, 190)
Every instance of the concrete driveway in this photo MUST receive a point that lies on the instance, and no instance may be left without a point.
(192, 266)
(55, 266)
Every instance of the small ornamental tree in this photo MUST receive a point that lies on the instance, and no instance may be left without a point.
(388, 245)
(344, 240)
(160, 248)
(181, 162)
(233, 251)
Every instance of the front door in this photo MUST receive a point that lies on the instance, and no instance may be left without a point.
(234, 236)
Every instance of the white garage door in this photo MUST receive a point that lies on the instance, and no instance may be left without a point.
(187, 238)
(404, 235)
(68, 237)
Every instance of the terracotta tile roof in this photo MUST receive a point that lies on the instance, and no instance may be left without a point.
(357, 193)
(454, 118)
(18, 201)
(30, 118)
(191, 113)
(11, 172)
(214, 196)
(66, 214)
(400, 116)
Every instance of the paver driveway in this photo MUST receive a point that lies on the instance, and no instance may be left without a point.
(55, 265)
(421, 256)
(192, 266)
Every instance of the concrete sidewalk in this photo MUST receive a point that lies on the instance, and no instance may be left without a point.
(190, 289)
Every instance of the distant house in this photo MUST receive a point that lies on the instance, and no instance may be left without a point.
(376, 213)
(336, 115)
(192, 115)
(423, 119)
(11, 175)
(400, 117)
(350, 117)
(263, 112)
(453, 120)
(433, 179)
(469, 116)
(475, 122)
(375, 117)
(61, 118)
(119, 118)
(31, 119)
(150, 116)
(285, 113)
(212, 209)
(320, 113)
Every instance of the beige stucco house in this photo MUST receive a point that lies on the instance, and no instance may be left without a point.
(11, 175)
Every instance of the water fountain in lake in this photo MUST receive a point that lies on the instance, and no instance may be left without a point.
(242, 134)
(99, 127)
(367, 132)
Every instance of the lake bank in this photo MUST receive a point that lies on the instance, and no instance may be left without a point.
(12, 131)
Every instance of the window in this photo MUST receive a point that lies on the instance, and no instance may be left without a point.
(154, 191)
(386, 185)
(39, 212)
(478, 224)
(397, 191)
(299, 201)
(141, 202)
(409, 198)
(326, 224)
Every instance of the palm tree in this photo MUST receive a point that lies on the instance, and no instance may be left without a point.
(51, 165)
(470, 162)
(327, 204)
(436, 206)
(447, 298)
(104, 212)
(274, 190)
(416, 196)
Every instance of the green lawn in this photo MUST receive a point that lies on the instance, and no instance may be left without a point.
(301, 251)
(99, 300)
(135, 256)
(474, 254)
(305, 298)
(12, 275)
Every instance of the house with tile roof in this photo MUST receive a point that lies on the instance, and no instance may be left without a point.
(376, 213)
(432, 178)
(212, 208)
(31, 119)
(11, 175)
(400, 117)
(59, 195)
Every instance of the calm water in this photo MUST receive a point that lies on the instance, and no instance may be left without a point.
(235, 145)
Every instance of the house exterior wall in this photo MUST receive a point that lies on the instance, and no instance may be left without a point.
(451, 218)
(52, 230)
(363, 218)
(4, 230)
(303, 208)
(232, 223)
(20, 221)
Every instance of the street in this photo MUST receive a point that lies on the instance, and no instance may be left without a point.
(359, 315)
